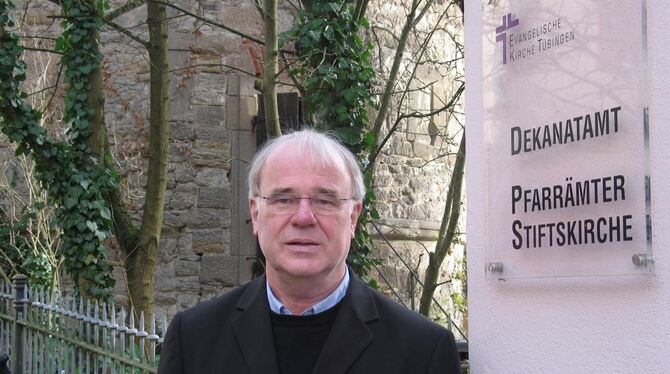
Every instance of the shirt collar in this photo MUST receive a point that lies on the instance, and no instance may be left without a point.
(328, 302)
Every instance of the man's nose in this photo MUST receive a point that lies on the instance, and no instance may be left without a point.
(304, 215)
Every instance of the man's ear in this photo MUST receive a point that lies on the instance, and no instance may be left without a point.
(355, 213)
(253, 209)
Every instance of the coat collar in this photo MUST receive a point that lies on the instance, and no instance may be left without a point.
(348, 338)
(253, 329)
(350, 334)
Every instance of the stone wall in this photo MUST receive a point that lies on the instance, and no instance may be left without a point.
(206, 245)
(414, 169)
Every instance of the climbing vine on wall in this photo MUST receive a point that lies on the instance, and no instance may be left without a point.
(75, 180)
(334, 70)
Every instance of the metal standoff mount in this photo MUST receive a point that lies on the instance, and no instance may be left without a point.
(494, 267)
(642, 259)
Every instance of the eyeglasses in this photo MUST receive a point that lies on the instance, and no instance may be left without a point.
(286, 203)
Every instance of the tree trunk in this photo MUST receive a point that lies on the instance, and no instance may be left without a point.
(97, 140)
(141, 259)
(452, 211)
(270, 70)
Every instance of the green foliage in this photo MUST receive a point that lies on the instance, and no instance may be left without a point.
(75, 180)
(17, 254)
(460, 299)
(334, 70)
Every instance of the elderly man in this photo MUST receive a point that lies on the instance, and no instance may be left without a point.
(309, 313)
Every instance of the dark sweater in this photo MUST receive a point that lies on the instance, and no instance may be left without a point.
(298, 340)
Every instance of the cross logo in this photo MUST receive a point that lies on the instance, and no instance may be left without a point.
(501, 32)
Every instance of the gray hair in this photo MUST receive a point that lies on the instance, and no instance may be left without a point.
(324, 150)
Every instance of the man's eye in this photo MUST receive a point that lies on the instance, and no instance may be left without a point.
(324, 202)
(283, 200)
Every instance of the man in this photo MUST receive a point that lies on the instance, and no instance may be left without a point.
(309, 313)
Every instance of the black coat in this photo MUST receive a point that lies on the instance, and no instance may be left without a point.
(371, 334)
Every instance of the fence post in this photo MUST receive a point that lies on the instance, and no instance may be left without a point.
(20, 303)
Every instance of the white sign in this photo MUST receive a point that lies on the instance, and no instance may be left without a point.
(564, 99)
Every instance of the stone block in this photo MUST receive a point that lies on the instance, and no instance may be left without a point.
(210, 89)
(183, 173)
(191, 283)
(209, 114)
(184, 196)
(423, 150)
(188, 300)
(214, 42)
(180, 130)
(187, 268)
(42, 16)
(209, 292)
(233, 88)
(165, 278)
(212, 135)
(180, 94)
(212, 157)
(214, 197)
(167, 249)
(248, 86)
(185, 247)
(162, 300)
(178, 59)
(211, 177)
(238, 61)
(420, 162)
(219, 270)
(179, 151)
(401, 147)
(170, 183)
(241, 85)
(175, 219)
(209, 66)
(207, 218)
(245, 15)
(180, 39)
(210, 240)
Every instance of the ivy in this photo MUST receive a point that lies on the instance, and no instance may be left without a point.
(334, 69)
(18, 253)
(336, 76)
(76, 182)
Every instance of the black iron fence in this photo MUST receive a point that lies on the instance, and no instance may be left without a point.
(44, 333)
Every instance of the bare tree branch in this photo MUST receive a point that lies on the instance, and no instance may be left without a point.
(125, 8)
(41, 50)
(451, 102)
(213, 23)
(124, 31)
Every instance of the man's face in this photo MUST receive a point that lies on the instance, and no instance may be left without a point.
(303, 244)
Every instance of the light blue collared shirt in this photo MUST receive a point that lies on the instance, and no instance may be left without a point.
(323, 305)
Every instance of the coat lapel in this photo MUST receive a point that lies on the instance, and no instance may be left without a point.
(350, 334)
(254, 331)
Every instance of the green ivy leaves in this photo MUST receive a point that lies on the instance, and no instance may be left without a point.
(74, 179)
(334, 68)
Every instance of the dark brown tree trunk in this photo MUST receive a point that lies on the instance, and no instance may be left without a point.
(141, 258)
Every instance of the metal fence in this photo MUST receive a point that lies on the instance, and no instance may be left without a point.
(44, 333)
